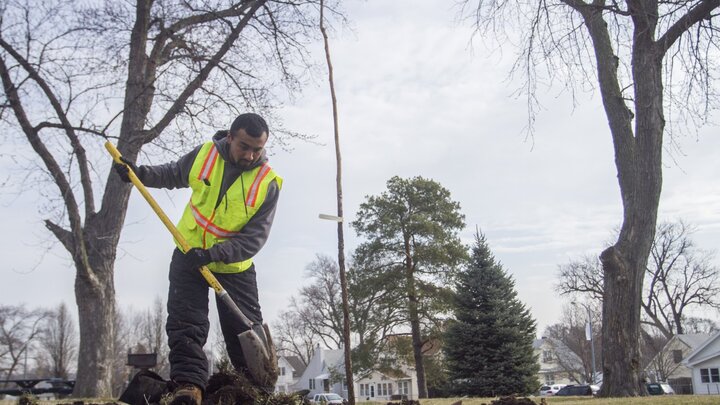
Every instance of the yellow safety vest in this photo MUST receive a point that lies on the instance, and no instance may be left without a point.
(202, 224)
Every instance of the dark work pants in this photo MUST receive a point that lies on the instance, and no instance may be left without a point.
(188, 325)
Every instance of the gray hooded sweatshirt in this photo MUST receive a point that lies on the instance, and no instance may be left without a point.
(254, 234)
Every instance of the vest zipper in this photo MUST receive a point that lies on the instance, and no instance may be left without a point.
(242, 183)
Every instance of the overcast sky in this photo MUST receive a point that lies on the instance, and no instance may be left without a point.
(416, 98)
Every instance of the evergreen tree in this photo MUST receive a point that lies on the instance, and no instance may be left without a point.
(413, 248)
(488, 345)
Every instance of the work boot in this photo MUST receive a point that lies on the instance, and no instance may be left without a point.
(187, 394)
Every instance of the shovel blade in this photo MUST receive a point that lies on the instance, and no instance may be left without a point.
(260, 356)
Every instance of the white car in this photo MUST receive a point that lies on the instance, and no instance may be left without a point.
(328, 398)
(548, 390)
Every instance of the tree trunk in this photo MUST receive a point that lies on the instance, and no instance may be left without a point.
(638, 159)
(417, 342)
(96, 311)
(95, 297)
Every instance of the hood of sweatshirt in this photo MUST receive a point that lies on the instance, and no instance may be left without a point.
(221, 143)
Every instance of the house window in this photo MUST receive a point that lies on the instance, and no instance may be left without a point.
(547, 355)
(403, 387)
(677, 356)
(710, 375)
(344, 384)
(282, 370)
(311, 384)
(366, 390)
(549, 379)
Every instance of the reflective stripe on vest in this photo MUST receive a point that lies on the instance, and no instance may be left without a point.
(206, 222)
(208, 164)
(253, 193)
(208, 226)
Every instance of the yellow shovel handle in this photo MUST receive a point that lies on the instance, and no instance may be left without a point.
(209, 277)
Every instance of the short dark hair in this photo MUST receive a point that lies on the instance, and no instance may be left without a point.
(252, 123)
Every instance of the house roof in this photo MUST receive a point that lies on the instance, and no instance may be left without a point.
(700, 355)
(394, 374)
(691, 340)
(296, 364)
(334, 358)
(694, 340)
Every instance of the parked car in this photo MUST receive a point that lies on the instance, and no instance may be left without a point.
(578, 390)
(547, 390)
(328, 398)
(659, 389)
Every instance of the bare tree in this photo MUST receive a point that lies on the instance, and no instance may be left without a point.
(120, 373)
(573, 353)
(149, 333)
(77, 73)
(679, 277)
(293, 337)
(19, 330)
(315, 317)
(58, 341)
(319, 304)
(695, 324)
(646, 57)
(583, 277)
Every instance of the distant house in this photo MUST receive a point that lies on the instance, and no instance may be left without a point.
(326, 370)
(323, 372)
(558, 364)
(704, 362)
(667, 365)
(291, 368)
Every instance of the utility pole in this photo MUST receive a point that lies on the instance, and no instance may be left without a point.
(341, 240)
(589, 336)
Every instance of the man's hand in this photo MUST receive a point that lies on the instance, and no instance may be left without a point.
(123, 171)
(198, 257)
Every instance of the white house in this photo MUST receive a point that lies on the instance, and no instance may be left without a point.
(291, 368)
(558, 364)
(667, 365)
(387, 385)
(705, 365)
(325, 373)
(321, 373)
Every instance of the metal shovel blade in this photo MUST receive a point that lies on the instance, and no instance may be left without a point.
(260, 356)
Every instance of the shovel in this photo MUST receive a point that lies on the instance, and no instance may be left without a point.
(256, 343)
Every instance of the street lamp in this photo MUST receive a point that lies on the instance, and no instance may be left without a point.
(589, 336)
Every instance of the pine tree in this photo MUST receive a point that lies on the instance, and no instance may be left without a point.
(488, 345)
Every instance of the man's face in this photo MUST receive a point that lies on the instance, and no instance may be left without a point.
(244, 149)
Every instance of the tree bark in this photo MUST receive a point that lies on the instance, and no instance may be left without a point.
(638, 160)
(417, 342)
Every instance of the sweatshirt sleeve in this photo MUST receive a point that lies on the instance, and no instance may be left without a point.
(253, 235)
(169, 175)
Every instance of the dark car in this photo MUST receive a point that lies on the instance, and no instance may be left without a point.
(577, 390)
(659, 389)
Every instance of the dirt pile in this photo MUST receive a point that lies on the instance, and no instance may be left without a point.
(228, 388)
(513, 400)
